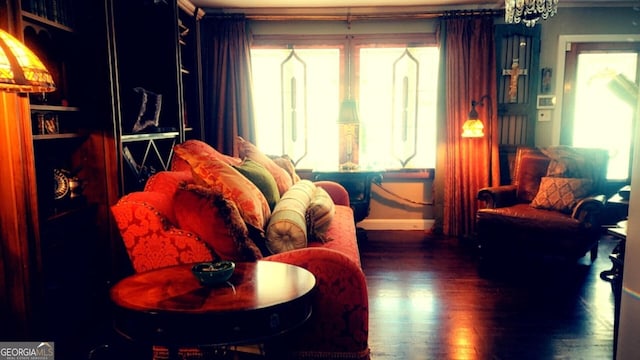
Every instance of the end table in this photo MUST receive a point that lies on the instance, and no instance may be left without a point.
(168, 306)
(358, 185)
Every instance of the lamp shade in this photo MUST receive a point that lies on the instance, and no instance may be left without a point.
(348, 112)
(473, 127)
(20, 68)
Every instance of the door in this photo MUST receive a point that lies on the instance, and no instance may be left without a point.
(517, 54)
(599, 106)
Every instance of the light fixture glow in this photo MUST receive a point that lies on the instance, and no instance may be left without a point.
(529, 12)
(20, 69)
(473, 126)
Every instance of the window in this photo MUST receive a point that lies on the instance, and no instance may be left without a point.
(310, 139)
(299, 85)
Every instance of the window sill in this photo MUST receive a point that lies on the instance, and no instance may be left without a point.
(395, 174)
(409, 174)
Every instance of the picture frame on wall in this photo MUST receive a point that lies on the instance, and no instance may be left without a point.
(545, 80)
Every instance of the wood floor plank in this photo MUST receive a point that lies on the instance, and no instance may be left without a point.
(428, 300)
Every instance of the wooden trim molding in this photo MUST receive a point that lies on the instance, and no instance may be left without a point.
(19, 228)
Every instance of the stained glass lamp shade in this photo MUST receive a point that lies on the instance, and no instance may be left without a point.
(20, 68)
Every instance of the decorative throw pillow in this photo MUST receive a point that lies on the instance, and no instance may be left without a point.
(199, 147)
(248, 150)
(285, 162)
(568, 162)
(262, 178)
(216, 221)
(226, 180)
(319, 215)
(287, 229)
(561, 194)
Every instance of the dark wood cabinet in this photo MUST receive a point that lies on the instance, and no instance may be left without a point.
(156, 73)
(191, 69)
(358, 185)
(64, 153)
(65, 254)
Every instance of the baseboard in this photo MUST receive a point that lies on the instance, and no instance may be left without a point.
(396, 224)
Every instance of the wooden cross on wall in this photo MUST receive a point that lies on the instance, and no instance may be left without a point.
(514, 72)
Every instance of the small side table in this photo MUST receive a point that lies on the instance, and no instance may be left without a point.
(614, 275)
(358, 185)
(617, 208)
(168, 306)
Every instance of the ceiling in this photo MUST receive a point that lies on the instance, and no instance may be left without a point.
(287, 5)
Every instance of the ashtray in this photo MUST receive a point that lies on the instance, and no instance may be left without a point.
(212, 273)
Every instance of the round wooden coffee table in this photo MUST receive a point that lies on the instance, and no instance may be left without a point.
(169, 307)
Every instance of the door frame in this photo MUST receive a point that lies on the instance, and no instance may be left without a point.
(564, 42)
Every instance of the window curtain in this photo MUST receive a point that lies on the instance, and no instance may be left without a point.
(470, 163)
(226, 71)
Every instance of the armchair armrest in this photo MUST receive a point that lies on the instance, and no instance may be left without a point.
(341, 308)
(498, 196)
(149, 236)
(588, 210)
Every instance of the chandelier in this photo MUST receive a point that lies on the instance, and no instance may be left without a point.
(529, 12)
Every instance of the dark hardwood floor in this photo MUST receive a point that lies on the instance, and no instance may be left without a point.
(428, 300)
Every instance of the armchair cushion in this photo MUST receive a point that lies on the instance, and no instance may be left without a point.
(524, 216)
(561, 194)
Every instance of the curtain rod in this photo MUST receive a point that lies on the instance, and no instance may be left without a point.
(355, 17)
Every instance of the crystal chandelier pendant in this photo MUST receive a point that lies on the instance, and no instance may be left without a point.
(529, 12)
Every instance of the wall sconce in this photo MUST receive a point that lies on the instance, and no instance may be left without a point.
(473, 126)
(20, 69)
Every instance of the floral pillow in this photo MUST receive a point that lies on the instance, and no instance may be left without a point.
(224, 179)
(561, 194)
(199, 147)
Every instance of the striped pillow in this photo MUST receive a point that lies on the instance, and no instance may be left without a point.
(319, 215)
(287, 229)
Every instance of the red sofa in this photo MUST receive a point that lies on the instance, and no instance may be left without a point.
(148, 223)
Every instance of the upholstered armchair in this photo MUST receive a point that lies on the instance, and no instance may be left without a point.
(552, 208)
